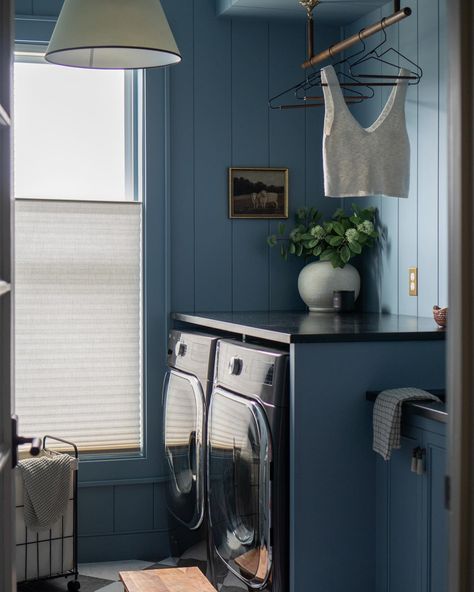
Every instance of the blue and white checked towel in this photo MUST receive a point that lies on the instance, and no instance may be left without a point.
(388, 415)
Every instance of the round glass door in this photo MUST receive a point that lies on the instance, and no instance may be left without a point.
(239, 450)
(184, 411)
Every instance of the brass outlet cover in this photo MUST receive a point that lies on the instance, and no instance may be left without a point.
(413, 281)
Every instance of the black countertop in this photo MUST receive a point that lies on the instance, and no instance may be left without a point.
(304, 327)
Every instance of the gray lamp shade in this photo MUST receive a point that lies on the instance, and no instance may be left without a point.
(112, 34)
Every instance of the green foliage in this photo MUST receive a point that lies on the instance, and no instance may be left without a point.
(337, 240)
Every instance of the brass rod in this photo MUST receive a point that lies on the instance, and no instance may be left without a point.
(351, 41)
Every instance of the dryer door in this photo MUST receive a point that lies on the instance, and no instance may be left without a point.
(184, 417)
(239, 449)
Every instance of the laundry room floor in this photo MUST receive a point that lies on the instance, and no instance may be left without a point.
(96, 576)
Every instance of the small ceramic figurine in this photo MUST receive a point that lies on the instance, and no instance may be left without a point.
(440, 315)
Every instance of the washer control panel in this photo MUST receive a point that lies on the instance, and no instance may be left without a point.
(251, 369)
(192, 352)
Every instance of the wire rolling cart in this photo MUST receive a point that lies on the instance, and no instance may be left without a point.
(51, 553)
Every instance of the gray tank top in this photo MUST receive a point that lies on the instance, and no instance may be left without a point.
(359, 161)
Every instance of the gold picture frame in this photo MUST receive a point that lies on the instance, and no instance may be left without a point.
(258, 193)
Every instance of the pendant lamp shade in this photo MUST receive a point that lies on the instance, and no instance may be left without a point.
(113, 34)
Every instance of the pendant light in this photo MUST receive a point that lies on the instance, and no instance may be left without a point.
(112, 34)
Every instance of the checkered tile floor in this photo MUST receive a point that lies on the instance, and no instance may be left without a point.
(104, 577)
(95, 576)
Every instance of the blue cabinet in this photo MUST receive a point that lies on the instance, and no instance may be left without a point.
(411, 520)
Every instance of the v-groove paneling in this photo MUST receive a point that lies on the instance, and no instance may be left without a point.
(287, 148)
(220, 118)
(182, 219)
(250, 147)
(408, 208)
(428, 156)
(212, 152)
(389, 206)
(414, 230)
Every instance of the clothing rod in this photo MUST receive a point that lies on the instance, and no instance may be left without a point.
(350, 41)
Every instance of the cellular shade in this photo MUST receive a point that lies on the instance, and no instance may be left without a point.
(78, 322)
(113, 34)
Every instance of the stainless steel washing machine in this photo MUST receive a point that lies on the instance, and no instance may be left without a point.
(186, 392)
(248, 469)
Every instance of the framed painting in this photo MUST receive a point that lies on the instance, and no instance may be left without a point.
(258, 193)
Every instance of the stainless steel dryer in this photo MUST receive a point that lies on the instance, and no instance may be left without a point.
(248, 469)
(186, 392)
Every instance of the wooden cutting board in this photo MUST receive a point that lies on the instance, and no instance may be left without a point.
(175, 579)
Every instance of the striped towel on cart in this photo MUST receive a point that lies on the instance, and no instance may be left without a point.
(47, 481)
(388, 415)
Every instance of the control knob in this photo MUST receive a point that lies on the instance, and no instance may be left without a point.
(235, 366)
(180, 349)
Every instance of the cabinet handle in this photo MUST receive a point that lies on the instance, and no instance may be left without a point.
(418, 461)
(413, 459)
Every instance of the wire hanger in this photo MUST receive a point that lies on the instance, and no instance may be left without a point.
(413, 77)
(300, 90)
(305, 100)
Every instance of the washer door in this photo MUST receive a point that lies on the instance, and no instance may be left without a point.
(239, 460)
(184, 416)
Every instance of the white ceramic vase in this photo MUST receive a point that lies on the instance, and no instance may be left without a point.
(318, 280)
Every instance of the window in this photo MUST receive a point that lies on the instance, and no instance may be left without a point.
(78, 286)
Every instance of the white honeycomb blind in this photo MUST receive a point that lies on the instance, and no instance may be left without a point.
(78, 309)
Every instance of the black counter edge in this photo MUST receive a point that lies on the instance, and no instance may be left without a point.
(288, 338)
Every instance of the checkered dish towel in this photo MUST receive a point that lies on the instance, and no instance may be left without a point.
(46, 483)
(388, 415)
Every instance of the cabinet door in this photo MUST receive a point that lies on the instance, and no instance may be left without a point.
(399, 512)
(435, 519)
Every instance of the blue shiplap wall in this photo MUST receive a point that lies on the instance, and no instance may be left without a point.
(415, 229)
(219, 118)
(205, 115)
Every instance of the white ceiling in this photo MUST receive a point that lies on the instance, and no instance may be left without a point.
(329, 11)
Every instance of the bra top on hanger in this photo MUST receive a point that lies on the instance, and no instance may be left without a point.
(358, 161)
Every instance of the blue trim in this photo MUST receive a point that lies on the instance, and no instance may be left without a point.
(34, 29)
(155, 291)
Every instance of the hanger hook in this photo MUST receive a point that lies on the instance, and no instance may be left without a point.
(310, 5)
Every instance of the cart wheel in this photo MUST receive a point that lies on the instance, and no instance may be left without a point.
(73, 586)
